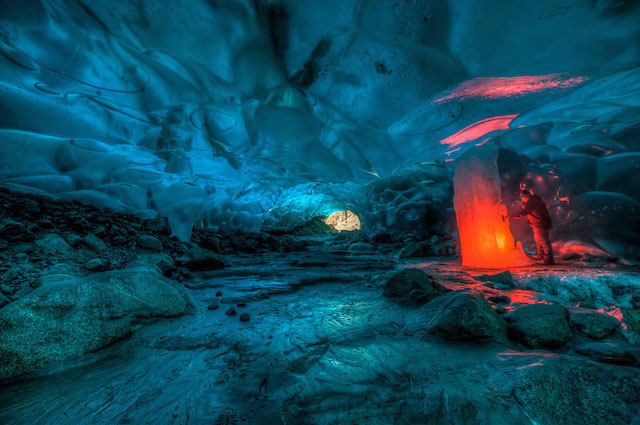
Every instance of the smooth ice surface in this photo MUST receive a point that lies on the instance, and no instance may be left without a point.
(221, 113)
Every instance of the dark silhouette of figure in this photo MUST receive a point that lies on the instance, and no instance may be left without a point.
(540, 221)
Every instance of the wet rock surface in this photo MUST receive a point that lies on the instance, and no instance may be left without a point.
(468, 317)
(593, 324)
(76, 316)
(413, 286)
(607, 352)
(540, 325)
(566, 390)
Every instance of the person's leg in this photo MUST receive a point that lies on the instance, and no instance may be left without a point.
(548, 250)
(537, 237)
(541, 235)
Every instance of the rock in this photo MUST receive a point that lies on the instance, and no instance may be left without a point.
(592, 324)
(24, 247)
(213, 304)
(540, 325)
(96, 265)
(413, 286)
(629, 320)
(244, 317)
(504, 278)
(69, 318)
(3, 300)
(218, 294)
(74, 240)
(53, 244)
(158, 225)
(14, 231)
(203, 259)
(160, 260)
(416, 249)
(95, 243)
(607, 352)
(150, 242)
(45, 224)
(362, 247)
(231, 312)
(53, 279)
(466, 316)
(567, 390)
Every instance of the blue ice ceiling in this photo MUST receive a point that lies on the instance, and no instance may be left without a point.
(236, 113)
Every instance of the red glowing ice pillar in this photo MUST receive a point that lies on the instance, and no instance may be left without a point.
(485, 238)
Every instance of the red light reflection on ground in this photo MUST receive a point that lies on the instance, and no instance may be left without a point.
(501, 87)
(479, 129)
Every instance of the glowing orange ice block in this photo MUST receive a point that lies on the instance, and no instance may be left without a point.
(485, 238)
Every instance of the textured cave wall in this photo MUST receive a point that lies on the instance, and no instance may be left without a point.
(220, 112)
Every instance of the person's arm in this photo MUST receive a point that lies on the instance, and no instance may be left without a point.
(528, 208)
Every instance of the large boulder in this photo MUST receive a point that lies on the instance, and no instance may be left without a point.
(466, 316)
(67, 317)
(567, 390)
(593, 324)
(540, 325)
(413, 286)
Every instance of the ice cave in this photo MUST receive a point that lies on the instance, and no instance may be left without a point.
(359, 212)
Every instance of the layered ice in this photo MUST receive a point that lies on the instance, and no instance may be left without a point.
(244, 115)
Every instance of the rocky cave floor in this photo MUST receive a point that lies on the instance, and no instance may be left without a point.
(308, 331)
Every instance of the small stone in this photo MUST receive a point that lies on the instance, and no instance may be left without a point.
(96, 265)
(99, 231)
(244, 317)
(74, 240)
(23, 247)
(218, 294)
(53, 243)
(149, 242)
(158, 224)
(241, 304)
(45, 224)
(231, 312)
(95, 243)
(213, 305)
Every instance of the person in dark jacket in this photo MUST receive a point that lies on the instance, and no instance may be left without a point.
(540, 221)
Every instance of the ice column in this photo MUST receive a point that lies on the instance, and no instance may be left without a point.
(485, 238)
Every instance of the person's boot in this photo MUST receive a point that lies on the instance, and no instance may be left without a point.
(547, 261)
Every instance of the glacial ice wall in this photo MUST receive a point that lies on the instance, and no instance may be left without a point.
(236, 113)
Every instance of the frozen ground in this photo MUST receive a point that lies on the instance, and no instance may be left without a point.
(323, 346)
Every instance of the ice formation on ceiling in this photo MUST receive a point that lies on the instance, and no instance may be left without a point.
(239, 113)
